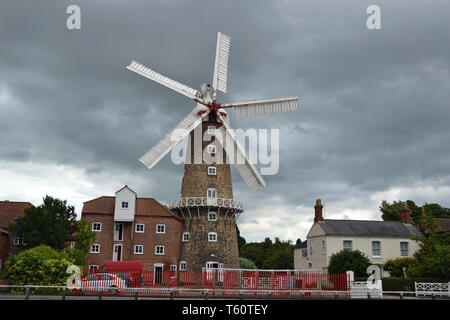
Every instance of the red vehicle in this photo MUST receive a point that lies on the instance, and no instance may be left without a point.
(130, 271)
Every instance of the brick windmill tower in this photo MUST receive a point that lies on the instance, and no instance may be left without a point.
(207, 205)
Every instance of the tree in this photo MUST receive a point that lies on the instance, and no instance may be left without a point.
(40, 265)
(85, 237)
(241, 240)
(270, 255)
(346, 260)
(433, 257)
(398, 267)
(245, 263)
(51, 223)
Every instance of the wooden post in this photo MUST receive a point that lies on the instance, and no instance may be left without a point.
(63, 297)
(27, 292)
(171, 293)
(100, 291)
(136, 294)
(206, 294)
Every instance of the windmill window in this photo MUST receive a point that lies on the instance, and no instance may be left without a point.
(211, 129)
(183, 265)
(212, 193)
(212, 216)
(211, 171)
(212, 237)
(185, 236)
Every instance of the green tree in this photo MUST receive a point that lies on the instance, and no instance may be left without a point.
(346, 260)
(85, 237)
(396, 267)
(433, 257)
(241, 240)
(51, 223)
(40, 265)
(245, 263)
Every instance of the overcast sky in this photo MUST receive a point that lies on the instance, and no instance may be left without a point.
(373, 124)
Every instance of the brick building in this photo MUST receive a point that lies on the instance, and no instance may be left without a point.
(128, 227)
(9, 210)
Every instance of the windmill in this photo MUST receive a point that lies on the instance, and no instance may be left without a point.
(206, 205)
(207, 105)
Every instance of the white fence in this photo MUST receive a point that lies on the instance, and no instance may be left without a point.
(364, 290)
(430, 289)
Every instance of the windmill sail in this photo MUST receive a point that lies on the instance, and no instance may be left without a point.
(165, 81)
(232, 147)
(261, 107)
(181, 131)
(221, 63)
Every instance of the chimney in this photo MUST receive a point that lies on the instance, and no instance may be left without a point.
(405, 215)
(318, 216)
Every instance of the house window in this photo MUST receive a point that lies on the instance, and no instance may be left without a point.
(183, 265)
(323, 247)
(212, 237)
(304, 252)
(211, 129)
(159, 250)
(211, 193)
(310, 265)
(118, 233)
(212, 149)
(212, 216)
(404, 249)
(376, 248)
(138, 249)
(211, 171)
(97, 226)
(348, 245)
(160, 228)
(95, 248)
(124, 205)
(140, 227)
(311, 246)
(93, 267)
(185, 236)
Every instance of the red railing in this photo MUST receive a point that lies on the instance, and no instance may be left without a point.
(216, 283)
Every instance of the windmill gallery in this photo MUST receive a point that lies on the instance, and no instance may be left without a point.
(198, 229)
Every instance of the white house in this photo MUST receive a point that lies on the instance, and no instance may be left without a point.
(379, 240)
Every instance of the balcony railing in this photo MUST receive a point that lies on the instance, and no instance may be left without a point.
(193, 202)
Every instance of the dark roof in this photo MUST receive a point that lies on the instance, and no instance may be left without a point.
(301, 245)
(145, 207)
(443, 225)
(369, 228)
(11, 209)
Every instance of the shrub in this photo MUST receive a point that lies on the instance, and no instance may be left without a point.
(246, 263)
(38, 266)
(346, 260)
(395, 266)
(403, 284)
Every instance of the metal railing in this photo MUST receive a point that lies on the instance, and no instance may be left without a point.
(189, 202)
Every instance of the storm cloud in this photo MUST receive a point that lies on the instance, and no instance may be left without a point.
(374, 115)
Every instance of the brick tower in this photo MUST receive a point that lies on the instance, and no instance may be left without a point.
(207, 206)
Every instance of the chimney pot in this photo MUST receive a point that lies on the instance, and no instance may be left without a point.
(405, 215)
(318, 215)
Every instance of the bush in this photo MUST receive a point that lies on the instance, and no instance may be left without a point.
(346, 260)
(395, 266)
(246, 263)
(38, 266)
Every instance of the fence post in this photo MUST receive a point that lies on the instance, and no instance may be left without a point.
(136, 293)
(63, 294)
(269, 295)
(241, 294)
(433, 296)
(336, 295)
(302, 295)
(206, 294)
(100, 291)
(27, 292)
(368, 295)
(401, 295)
(171, 293)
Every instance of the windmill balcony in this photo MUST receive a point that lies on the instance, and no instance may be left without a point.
(195, 202)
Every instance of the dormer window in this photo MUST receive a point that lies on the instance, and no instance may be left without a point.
(212, 150)
(124, 205)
